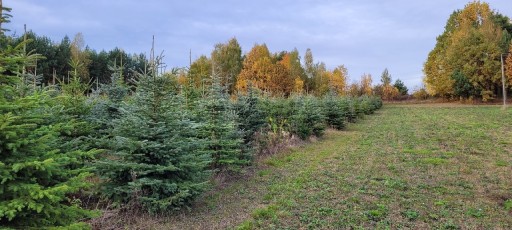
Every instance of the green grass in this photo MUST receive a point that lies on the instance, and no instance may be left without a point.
(407, 166)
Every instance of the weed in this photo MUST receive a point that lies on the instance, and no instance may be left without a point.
(411, 215)
(450, 226)
(268, 197)
(265, 213)
(327, 211)
(264, 172)
(501, 163)
(396, 184)
(475, 212)
(378, 213)
(440, 203)
(508, 205)
(246, 225)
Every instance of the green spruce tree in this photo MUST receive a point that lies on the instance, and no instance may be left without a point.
(224, 140)
(335, 110)
(250, 117)
(309, 118)
(38, 176)
(354, 110)
(106, 102)
(155, 158)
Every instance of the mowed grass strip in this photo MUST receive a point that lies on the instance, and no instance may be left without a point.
(407, 166)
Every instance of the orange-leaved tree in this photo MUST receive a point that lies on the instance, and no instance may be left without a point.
(260, 71)
(508, 66)
(387, 90)
(291, 61)
(253, 67)
(338, 79)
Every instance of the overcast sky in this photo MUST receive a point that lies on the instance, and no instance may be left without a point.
(364, 35)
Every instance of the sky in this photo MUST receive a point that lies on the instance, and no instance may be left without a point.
(366, 36)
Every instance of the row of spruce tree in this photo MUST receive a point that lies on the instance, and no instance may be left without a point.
(155, 145)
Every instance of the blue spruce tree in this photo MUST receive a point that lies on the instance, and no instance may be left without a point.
(155, 159)
(220, 128)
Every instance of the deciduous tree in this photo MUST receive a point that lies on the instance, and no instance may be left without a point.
(386, 90)
(354, 89)
(291, 61)
(200, 72)
(227, 62)
(366, 84)
(262, 73)
(437, 70)
(254, 63)
(475, 49)
(389, 92)
(80, 60)
(472, 43)
(309, 70)
(321, 79)
(385, 78)
(508, 65)
(338, 79)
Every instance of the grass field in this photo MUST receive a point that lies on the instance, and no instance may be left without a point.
(408, 166)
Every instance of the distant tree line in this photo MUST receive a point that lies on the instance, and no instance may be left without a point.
(62, 58)
(282, 73)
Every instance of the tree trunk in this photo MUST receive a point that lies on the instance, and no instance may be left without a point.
(1, 17)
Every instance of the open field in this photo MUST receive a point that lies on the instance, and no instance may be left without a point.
(408, 166)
